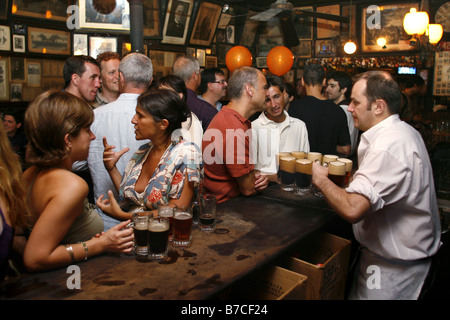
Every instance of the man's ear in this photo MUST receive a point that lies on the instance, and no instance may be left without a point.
(74, 79)
(249, 89)
(380, 106)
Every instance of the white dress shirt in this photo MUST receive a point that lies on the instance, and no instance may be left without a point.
(270, 138)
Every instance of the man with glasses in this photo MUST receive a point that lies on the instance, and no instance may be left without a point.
(213, 87)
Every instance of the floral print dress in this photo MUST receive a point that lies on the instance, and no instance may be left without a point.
(180, 160)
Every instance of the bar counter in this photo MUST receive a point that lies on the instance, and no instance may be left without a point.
(251, 232)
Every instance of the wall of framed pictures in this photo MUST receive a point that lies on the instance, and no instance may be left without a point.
(38, 43)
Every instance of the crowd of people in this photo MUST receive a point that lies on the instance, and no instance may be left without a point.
(114, 142)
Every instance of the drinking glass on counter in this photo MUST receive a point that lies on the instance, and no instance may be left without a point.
(287, 172)
(207, 219)
(158, 238)
(140, 229)
(348, 168)
(298, 154)
(303, 176)
(182, 227)
(337, 173)
(277, 160)
(166, 211)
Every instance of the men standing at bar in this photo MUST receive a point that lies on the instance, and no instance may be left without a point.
(229, 169)
(391, 200)
(188, 69)
(326, 122)
(274, 131)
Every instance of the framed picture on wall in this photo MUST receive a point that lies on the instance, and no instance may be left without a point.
(33, 69)
(211, 62)
(17, 69)
(48, 10)
(80, 44)
(325, 48)
(99, 45)
(303, 23)
(4, 74)
(391, 28)
(250, 30)
(18, 43)
(151, 19)
(177, 21)
(304, 49)
(327, 28)
(48, 41)
(16, 92)
(205, 23)
(3, 10)
(5, 38)
(110, 15)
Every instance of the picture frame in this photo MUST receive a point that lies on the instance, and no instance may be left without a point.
(99, 45)
(230, 34)
(19, 43)
(249, 32)
(190, 52)
(5, 38)
(16, 92)
(303, 23)
(4, 76)
(19, 29)
(201, 57)
(17, 69)
(80, 44)
(304, 49)
(211, 62)
(177, 20)
(33, 70)
(261, 62)
(325, 48)
(118, 19)
(3, 10)
(48, 41)
(152, 28)
(208, 15)
(327, 28)
(391, 28)
(38, 9)
(270, 37)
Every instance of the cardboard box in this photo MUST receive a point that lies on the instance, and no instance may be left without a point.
(272, 283)
(324, 259)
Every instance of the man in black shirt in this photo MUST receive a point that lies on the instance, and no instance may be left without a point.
(326, 122)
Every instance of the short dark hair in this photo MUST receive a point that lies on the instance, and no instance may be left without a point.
(380, 85)
(174, 82)
(208, 75)
(344, 80)
(76, 65)
(313, 74)
(414, 79)
(274, 81)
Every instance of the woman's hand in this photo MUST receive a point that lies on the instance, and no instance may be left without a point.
(110, 157)
(118, 238)
(111, 207)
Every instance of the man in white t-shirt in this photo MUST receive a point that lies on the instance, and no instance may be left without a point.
(275, 131)
(391, 200)
(339, 87)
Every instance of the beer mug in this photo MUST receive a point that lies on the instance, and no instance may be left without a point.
(287, 173)
(182, 227)
(207, 219)
(327, 158)
(140, 230)
(158, 238)
(277, 160)
(336, 173)
(166, 211)
(314, 156)
(298, 154)
(303, 176)
(348, 168)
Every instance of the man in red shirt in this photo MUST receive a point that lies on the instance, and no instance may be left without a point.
(229, 165)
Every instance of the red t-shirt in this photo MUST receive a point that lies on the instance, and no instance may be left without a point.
(226, 153)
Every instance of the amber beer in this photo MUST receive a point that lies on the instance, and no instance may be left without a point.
(348, 168)
(327, 158)
(314, 156)
(287, 173)
(336, 173)
(303, 174)
(182, 228)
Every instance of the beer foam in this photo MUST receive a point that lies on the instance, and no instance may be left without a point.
(337, 168)
(158, 226)
(287, 164)
(348, 163)
(182, 215)
(299, 154)
(314, 156)
(141, 225)
(303, 166)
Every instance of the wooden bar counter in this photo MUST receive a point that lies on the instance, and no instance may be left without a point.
(251, 232)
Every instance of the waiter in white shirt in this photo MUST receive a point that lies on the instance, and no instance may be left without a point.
(391, 200)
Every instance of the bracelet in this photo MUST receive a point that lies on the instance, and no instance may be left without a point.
(85, 250)
(70, 251)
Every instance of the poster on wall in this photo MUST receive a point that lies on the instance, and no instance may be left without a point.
(441, 85)
(177, 21)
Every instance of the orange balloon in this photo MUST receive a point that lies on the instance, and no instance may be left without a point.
(280, 60)
(237, 57)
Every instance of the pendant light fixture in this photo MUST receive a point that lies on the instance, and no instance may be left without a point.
(350, 46)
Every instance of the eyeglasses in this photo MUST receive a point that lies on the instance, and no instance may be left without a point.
(220, 81)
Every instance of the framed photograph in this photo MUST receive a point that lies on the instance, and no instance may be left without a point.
(391, 28)
(303, 24)
(110, 16)
(230, 34)
(16, 92)
(205, 24)
(19, 29)
(17, 66)
(190, 52)
(201, 57)
(18, 43)
(33, 73)
(48, 41)
(3, 10)
(221, 36)
(151, 19)
(270, 37)
(177, 21)
(325, 48)
(80, 44)
(99, 45)
(249, 32)
(211, 62)
(38, 9)
(261, 62)
(304, 49)
(4, 79)
(327, 28)
(224, 21)
(5, 38)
